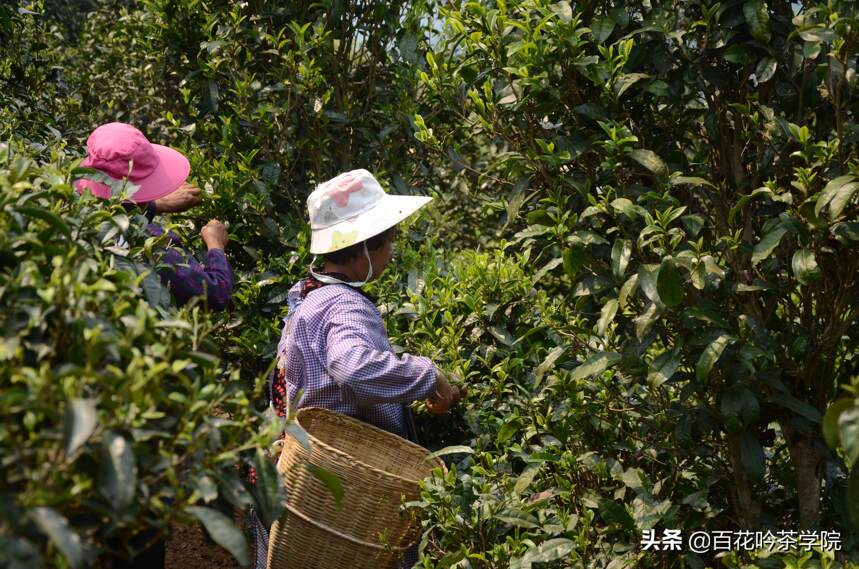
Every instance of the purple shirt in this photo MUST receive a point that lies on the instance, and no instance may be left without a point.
(338, 352)
(187, 277)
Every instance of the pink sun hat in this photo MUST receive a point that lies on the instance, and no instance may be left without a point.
(115, 147)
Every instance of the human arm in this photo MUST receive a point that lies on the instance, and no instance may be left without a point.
(182, 199)
(187, 278)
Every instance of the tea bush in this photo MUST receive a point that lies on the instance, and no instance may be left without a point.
(118, 414)
(553, 453)
(641, 260)
(685, 175)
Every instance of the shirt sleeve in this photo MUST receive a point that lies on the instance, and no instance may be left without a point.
(373, 376)
(187, 278)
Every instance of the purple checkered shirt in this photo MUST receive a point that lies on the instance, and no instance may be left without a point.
(338, 352)
(187, 277)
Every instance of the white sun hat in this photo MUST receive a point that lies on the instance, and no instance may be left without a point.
(353, 207)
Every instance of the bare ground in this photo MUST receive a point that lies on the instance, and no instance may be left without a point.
(187, 548)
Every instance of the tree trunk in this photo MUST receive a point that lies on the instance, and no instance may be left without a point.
(806, 466)
(746, 508)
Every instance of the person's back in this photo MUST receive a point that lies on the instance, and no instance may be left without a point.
(339, 357)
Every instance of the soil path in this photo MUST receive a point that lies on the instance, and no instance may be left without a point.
(187, 548)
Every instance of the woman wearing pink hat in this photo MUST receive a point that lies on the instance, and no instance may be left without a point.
(334, 349)
(121, 151)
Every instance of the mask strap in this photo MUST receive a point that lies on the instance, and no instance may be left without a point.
(333, 280)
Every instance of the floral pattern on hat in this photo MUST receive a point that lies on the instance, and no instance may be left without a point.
(353, 207)
(340, 240)
(343, 188)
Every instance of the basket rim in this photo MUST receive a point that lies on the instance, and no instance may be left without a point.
(314, 440)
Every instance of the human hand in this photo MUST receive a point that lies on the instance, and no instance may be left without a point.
(183, 199)
(446, 395)
(214, 235)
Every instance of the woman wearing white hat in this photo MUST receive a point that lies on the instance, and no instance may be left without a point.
(334, 349)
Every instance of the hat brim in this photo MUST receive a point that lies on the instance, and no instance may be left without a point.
(387, 213)
(172, 170)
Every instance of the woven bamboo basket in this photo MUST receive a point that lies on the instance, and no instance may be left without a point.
(376, 469)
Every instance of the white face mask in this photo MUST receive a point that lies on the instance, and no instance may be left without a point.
(332, 280)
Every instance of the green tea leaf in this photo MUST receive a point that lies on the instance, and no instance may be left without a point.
(818, 34)
(628, 288)
(663, 369)
(669, 284)
(269, 490)
(841, 198)
(844, 185)
(297, 432)
(456, 449)
(49, 217)
(797, 406)
(518, 518)
(649, 159)
(737, 53)
(648, 279)
(502, 335)
(523, 482)
(118, 477)
(548, 267)
(607, 314)
(334, 485)
(547, 364)
(710, 356)
(848, 429)
(645, 320)
(591, 111)
(223, 531)
(562, 10)
(805, 267)
(739, 408)
(766, 69)
(574, 259)
(620, 15)
(768, 244)
(831, 432)
(690, 181)
(620, 253)
(57, 528)
(595, 364)
(550, 550)
(627, 80)
(506, 432)
(80, 422)
(614, 513)
(847, 233)
(758, 19)
(602, 27)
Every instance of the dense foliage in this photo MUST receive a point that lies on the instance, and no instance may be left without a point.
(641, 259)
(694, 170)
(117, 412)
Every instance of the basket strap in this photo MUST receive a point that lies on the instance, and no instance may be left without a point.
(347, 537)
